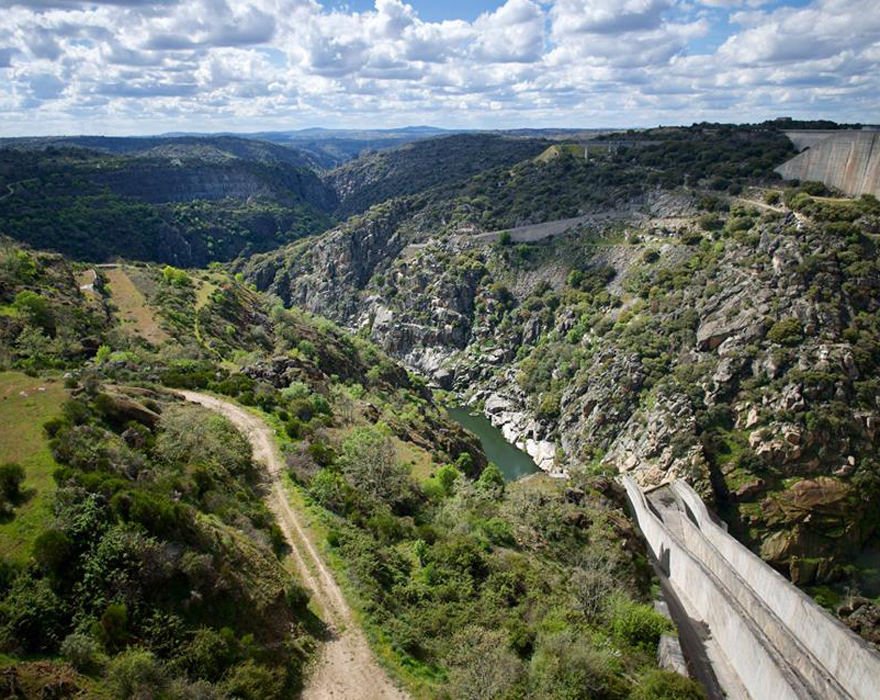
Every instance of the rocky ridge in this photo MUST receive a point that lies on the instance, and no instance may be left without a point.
(636, 371)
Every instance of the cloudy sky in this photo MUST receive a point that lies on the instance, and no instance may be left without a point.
(148, 66)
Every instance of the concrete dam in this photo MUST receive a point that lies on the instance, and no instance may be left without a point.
(748, 633)
(846, 160)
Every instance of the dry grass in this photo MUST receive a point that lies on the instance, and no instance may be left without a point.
(132, 307)
(23, 410)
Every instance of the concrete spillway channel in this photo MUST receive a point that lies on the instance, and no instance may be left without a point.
(747, 632)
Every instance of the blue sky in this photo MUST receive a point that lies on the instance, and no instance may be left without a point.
(147, 66)
(428, 11)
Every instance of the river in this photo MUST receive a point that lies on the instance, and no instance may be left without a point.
(512, 461)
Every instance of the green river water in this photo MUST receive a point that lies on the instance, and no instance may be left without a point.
(512, 461)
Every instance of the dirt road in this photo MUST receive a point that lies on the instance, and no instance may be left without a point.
(347, 669)
(536, 232)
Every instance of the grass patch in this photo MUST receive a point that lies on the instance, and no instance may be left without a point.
(23, 410)
(420, 463)
(132, 306)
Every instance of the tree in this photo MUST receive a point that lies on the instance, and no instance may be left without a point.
(36, 309)
(11, 479)
(482, 667)
(369, 462)
(198, 436)
(592, 583)
(491, 481)
(51, 551)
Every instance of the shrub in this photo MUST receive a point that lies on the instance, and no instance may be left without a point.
(636, 624)
(173, 275)
(592, 582)
(11, 478)
(772, 197)
(51, 551)
(446, 477)
(710, 222)
(565, 665)
(112, 628)
(83, 652)
(786, 331)
(35, 308)
(370, 462)
(210, 653)
(33, 615)
(491, 481)
(137, 673)
(666, 685)
(816, 189)
(548, 409)
(250, 681)
(331, 490)
(322, 454)
(481, 665)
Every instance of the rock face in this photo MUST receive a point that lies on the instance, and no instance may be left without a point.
(847, 160)
(735, 363)
(163, 181)
(863, 617)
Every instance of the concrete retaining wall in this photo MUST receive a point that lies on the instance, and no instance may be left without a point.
(761, 670)
(847, 160)
(848, 660)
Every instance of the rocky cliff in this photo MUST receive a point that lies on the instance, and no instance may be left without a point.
(164, 180)
(735, 349)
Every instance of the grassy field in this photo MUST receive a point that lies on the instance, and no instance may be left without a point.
(24, 407)
(133, 310)
(552, 152)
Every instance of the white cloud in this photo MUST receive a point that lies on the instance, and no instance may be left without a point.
(138, 66)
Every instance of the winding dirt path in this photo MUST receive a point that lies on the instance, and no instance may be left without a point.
(347, 669)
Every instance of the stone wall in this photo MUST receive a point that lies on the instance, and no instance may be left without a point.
(778, 642)
(847, 160)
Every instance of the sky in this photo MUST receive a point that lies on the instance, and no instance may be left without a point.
(127, 67)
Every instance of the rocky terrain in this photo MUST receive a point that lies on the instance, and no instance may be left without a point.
(717, 339)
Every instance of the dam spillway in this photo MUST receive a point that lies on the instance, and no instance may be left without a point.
(768, 638)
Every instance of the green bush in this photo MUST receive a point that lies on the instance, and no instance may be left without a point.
(446, 477)
(565, 666)
(491, 481)
(51, 551)
(250, 681)
(83, 652)
(11, 479)
(636, 624)
(210, 653)
(786, 331)
(666, 685)
(112, 628)
(136, 673)
(35, 308)
(710, 222)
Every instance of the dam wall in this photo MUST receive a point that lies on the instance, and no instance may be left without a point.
(846, 160)
(776, 640)
(846, 657)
